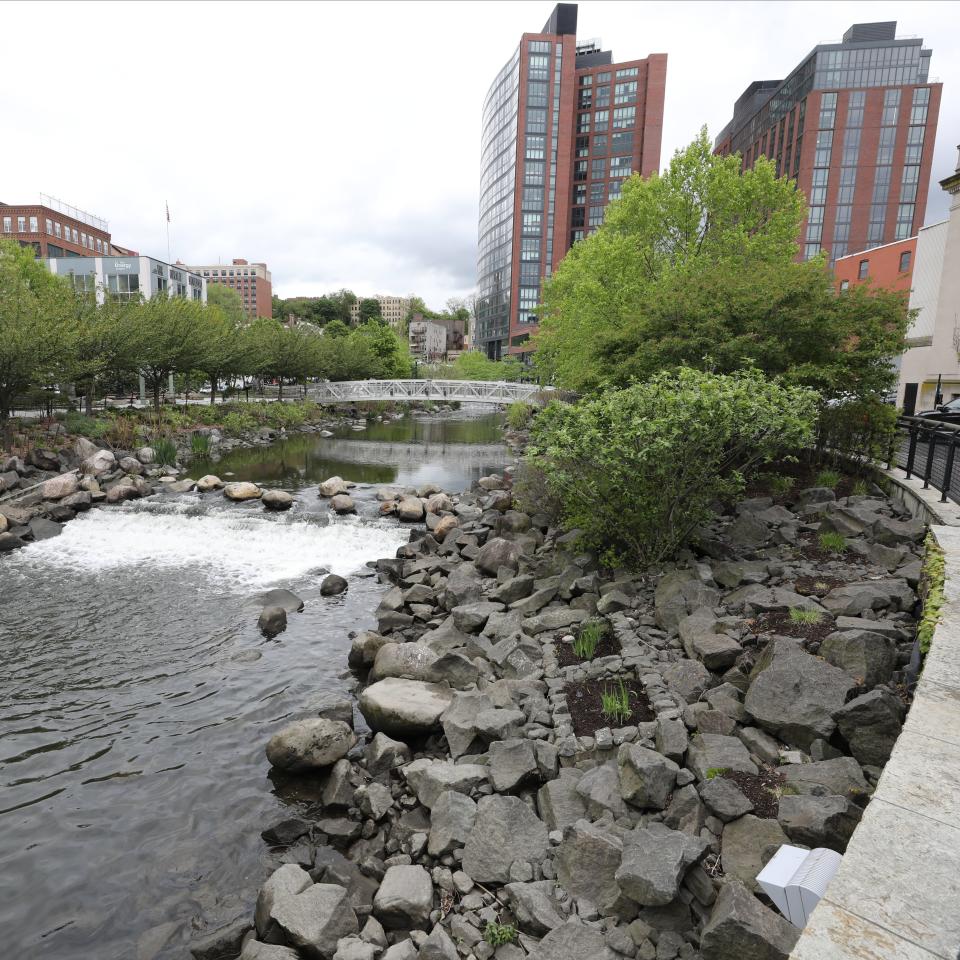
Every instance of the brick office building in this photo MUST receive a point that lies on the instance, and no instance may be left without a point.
(562, 127)
(855, 125)
(55, 229)
(251, 280)
(890, 265)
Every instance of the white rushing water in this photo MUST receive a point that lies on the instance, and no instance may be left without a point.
(232, 547)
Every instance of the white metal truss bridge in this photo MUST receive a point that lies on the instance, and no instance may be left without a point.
(464, 391)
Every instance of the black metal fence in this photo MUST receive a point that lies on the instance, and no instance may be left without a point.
(927, 449)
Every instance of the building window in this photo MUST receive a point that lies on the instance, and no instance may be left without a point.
(585, 98)
(583, 122)
(828, 111)
(600, 120)
(56, 230)
(580, 170)
(76, 237)
(530, 248)
(538, 67)
(625, 92)
(532, 174)
(824, 147)
(99, 245)
(603, 96)
(596, 217)
(8, 225)
(577, 217)
(598, 192)
(810, 250)
(891, 107)
(624, 117)
(598, 168)
(914, 145)
(536, 120)
(603, 78)
(49, 226)
(579, 194)
(600, 145)
(537, 93)
(532, 222)
(855, 109)
(582, 146)
(905, 261)
(844, 285)
(83, 239)
(864, 270)
(538, 46)
(622, 143)
(34, 225)
(620, 166)
(21, 224)
(627, 72)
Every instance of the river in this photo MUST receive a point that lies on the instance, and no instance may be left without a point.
(136, 694)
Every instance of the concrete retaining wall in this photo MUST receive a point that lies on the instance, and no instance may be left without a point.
(896, 895)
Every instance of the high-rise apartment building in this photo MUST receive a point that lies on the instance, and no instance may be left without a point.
(854, 124)
(55, 229)
(562, 127)
(394, 310)
(251, 280)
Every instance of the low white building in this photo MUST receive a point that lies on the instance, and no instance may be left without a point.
(130, 277)
(934, 336)
(428, 341)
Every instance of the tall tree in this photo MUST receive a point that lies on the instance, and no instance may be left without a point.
(370, 309)
(228, 300)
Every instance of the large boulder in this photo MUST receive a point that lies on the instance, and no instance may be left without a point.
(405, 898)
(819, 821)
(714, 751)
(286, 881)
(559, 802)
(840, 776)
(310, 744)
(430, 779)
(103, 461)
(703, 638)
(43, 529)
(471, 617)
(654, 862)
(280, 597)
(724, 799)
(242, 490)
(796, 695)
(342, 504)
(512, 764)
(862, 653)
(452, 817)
(747, 845)
(506, 831)
(852, 599)
(689, 679)
(534, 907)
(871, 724)
(364, 648)
(400, 707)
(333, 486)
(647, 778)
(313, 921)
(277, 499)
(56, 488)
(209, 482)
(587, 861)
(572, 941)
(679, 593)
(272, 620)
(412, 661)
(741, 928)
(462, 586)
(410, 510)
(331, 585)
(497, 553)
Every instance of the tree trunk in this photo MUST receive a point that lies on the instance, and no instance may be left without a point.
(88, 400)
(280, 391)
(156, 394)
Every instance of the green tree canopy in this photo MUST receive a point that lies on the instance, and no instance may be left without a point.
(228, 300)
(698, 267)
(370, 309)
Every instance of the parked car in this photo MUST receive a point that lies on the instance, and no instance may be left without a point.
(947, 412)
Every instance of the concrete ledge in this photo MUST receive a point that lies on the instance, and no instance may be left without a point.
(896, 895)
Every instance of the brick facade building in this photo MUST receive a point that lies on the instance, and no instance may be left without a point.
(888, 266)
(855, 125)
(251, 280)
(562, 127)
(55, 229)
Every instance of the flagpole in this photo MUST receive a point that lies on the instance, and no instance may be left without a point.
(168, 230)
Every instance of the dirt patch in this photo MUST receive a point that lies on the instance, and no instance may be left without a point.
(607, 646)
(808, 546)
(779, 622)
(762, 789)
(803, 475)
(816, 586)
(586, 706)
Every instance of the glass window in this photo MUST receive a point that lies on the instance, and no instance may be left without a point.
(536, 146)
(598, 191)
(533, 197)
(578, 217)
(626, 92)
(538, 67)
(21, 224)
(616, 189)
(579, 194)
(586, 80)
(585, 98)
(582, 146)
(34, 225)
(538, 46)
(600, 145)
(596, 216)
(864, 270)
(583, 122)
(580, 170)
(620, 166)
(601, 119)
(533, 171)
(76, 239)
(921, 95)
(622, 143)
(603, 78)
(810, 250)
(537, 93)
(8, 225)
(905, 261)
(49, 226)
(627, 72)
(624, 117)
(529, 248)
(598, 168)
(855, 109)
(603, 96)
(844, 284)
(536, 120)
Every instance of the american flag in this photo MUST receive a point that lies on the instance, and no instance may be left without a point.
(168, 210)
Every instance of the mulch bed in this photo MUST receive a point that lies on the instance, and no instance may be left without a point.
(804, 475)
(586, 714)
(808, 546)
(607, 647)
(779, 622)
(762, 790)
(816, 586)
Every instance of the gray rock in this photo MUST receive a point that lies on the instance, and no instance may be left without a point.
(462, 586)
(819, 821)
(893, 532)
(283, 598)
(452, 817)
(286, 881)
(364, 648)
(724, 799)
(277, 499)
(506, 830)
(272, 620)
(713, 751)
(80, 501)
(374, 800)
(405, 898)
(534, 907)
(840, 776)
(686, 812)
(870, 656)
(400, 707)
(871, 724)
(747, 845)
(512, 764)
(748, 532)
(689, 679)
(438, 946)
(333, 486)
(10, 542)
(756, 599)
(242, 491)
(342, 504)
(255, 950)
(741, 927)
(332, 585)
(383, 754)
(671, 739)
(679, 593)
(553, 618)
(852, 599)
(558, 801)
(316, 919)
(703, 639)
(471, 617)
(600, 788)
(654, 862)
(454, 668)
(587, 861)
(310, 744)
(797, 695)
(646, 778)
(411, 661)
(58, 487)
(459, 721)
(410, 510)
(572, 941)
(497, 553)
(43, 529)
(430, 778)
(516, 588)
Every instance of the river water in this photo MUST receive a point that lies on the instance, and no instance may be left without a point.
(136, 694)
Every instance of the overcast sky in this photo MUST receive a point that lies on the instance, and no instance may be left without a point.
(340, 142)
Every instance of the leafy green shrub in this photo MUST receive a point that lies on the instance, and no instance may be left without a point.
(588, 637)
(497, 934)
(236, 424)
(806, 617)
(833, 542)
(519, 414)
(637, 470)
(165, 451)
(828, 478)
(859, 428)
(200, 444)
(777, 483)
(860, 488)
(615, 703)
(93, 428)
(714, 772)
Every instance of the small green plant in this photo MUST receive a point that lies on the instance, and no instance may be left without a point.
(519, 414)
(497, 934)
(777, 483)
(714, 772)
(931, 590)
(165, 451)
(588, 638)
(859, 488)
(828, 478)
(615, 703)
(800, 616)
(200, 444)
(833, 542)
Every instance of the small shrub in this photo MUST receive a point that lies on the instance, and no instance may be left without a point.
(165, 451)
(121, 434)
(800, 616)
(639, 469)
(200, 444)
(714, 772)
(497, 934)
(615, 703)
(519, 415)
(860, 428)
(777, 483)
(236, 424)
(590, 634)
(828, 478)
(859, 488)
(833, 542)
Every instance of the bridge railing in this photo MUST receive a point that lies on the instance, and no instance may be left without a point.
(469, 391)
(927, 449)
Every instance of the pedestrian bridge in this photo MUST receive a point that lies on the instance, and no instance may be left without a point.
(464, 391)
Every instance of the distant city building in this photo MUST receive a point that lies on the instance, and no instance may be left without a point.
(455, 332)
(854, 124)
(128, 278)
(888, 266)
(428, 340)
(393, 309)
(55, 229)
(251, 280)
(562, 127)
(934, 336)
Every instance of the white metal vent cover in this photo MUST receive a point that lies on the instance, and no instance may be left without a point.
(795, 879)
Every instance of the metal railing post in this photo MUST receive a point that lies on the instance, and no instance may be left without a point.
(928, 466)
(911, 450)
(948, 472)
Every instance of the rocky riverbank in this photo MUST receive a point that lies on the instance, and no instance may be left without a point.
(569, 762)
